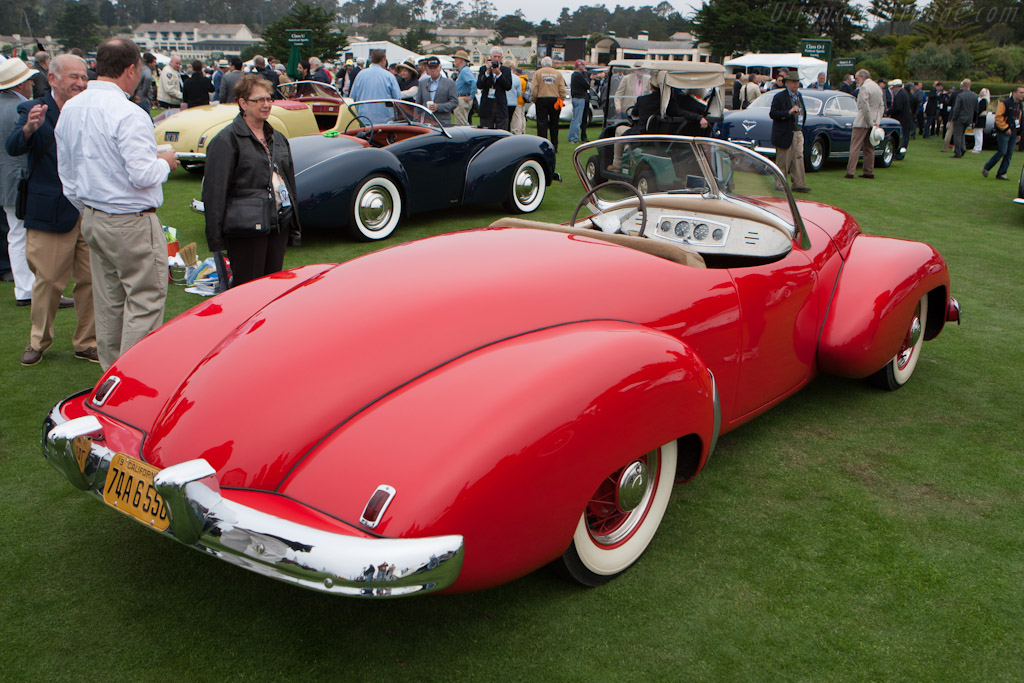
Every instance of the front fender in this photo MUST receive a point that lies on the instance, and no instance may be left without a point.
(489, 174)
(506, 443)
(881, 282)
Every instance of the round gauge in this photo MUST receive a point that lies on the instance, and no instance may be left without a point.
(700, 231)
(717, 234)
(666, 226)
(683, 229)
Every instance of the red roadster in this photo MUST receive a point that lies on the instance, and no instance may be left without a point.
(499, 399)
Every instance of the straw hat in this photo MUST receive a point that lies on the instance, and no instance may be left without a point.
(462, 54)
(409, 65)
(13, 72)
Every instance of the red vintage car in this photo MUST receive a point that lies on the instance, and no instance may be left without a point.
(499, 399)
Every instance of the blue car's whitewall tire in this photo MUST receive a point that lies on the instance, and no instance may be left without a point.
(621, 518)
(376, 209)
(528, 186)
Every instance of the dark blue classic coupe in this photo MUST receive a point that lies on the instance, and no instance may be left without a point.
(827, 131)
(366, 178)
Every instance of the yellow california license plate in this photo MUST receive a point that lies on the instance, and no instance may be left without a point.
(129, 488)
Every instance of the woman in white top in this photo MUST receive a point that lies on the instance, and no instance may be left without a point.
(984, 97)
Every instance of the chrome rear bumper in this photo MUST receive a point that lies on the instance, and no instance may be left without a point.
(191, 156)
(312, 558)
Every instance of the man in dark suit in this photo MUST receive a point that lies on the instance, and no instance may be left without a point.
(55, 247)
(494, 81)
(962, 115)
(901, 111)
(436, 92)
(932, 108)
(788, 114)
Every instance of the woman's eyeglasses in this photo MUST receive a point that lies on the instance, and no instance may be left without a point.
(259, 100)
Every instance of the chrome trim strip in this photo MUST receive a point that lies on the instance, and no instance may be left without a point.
(190, 156)
(200, 517)
(718, 414)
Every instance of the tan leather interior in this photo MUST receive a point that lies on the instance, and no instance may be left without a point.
(665, 250)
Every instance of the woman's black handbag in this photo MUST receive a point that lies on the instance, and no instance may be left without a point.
(249, 216)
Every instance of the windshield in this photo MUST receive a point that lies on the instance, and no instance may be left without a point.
(397, 112)
(670, 165)
(299, 89)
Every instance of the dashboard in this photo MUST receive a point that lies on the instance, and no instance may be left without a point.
(718, 235)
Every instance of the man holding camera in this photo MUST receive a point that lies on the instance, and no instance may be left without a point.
(494, 81)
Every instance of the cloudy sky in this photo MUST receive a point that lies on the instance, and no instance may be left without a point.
(539, 10)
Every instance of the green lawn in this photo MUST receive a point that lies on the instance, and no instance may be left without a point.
(848, 534)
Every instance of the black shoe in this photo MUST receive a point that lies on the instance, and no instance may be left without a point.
(984, 173)
(957, 156)
(24, 302)
(801, 189)
(865, 175)
(7, 276)
(66, 302)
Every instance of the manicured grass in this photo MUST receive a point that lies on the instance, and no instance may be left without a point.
(848, 534)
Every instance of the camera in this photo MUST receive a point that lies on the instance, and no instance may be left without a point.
(494, 63)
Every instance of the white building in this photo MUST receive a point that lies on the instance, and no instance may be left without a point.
(682, 48)
(194, 40)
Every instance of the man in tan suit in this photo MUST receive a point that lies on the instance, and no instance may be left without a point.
(870, 106)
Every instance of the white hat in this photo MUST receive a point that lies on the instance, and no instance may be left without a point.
(876, 136)
(895, 82)
(13, 72)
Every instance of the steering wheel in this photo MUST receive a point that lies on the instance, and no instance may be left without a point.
(365, 135)
(595, 211)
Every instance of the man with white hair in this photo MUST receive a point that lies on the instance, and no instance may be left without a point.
(317, 71)
(168, 88)
(494, 80)
(547, 86)
(55, 247)
(870, 106)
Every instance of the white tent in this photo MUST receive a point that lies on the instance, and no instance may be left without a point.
(395, 53)
(807, 67)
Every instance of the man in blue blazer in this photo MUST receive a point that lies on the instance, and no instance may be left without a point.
(55, 247)
(788, 115)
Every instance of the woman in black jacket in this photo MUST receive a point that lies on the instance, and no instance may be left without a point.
(249, 187)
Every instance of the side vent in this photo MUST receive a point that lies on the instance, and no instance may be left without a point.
(751, 237)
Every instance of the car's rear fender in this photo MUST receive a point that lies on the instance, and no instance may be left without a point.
(489, 173)
(505, 444)
(880, 285)
(164, 366)
(325, 189)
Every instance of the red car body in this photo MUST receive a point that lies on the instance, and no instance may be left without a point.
(486, 380)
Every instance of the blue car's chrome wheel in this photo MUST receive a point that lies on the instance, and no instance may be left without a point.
(376, 209)
(528, 186)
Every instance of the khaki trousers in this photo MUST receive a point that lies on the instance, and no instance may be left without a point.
(462, 110)
(128, 258)
(54, 257)
(791, 160)
(861, 142)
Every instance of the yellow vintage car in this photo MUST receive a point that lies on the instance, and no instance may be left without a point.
(308, 108)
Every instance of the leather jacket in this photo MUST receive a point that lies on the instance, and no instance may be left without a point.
(237, 165)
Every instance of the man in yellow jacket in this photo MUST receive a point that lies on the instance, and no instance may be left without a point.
(548, 87)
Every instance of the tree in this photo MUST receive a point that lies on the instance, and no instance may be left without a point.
(731, 26)
(419, 32)
(836, 19)
(78, 27)
(891, 12)
(947, 21)
(327, 37)
(482, 14)
(514, 25)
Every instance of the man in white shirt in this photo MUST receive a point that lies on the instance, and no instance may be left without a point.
(111, 171)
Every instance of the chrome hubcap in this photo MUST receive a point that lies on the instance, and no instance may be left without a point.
(375, 208)
(527, 186)
(913, 336)
(816, 154)
(633, 484)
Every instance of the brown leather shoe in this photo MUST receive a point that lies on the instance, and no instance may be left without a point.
(66, 302)
(88, 354)
(31, 356)
(848, 175)
(865, 175)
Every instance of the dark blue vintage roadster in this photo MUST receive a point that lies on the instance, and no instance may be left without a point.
(827, 131)
(366, 178)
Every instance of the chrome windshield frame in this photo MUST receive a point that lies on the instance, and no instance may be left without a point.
(353, 108)
(713, 191)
